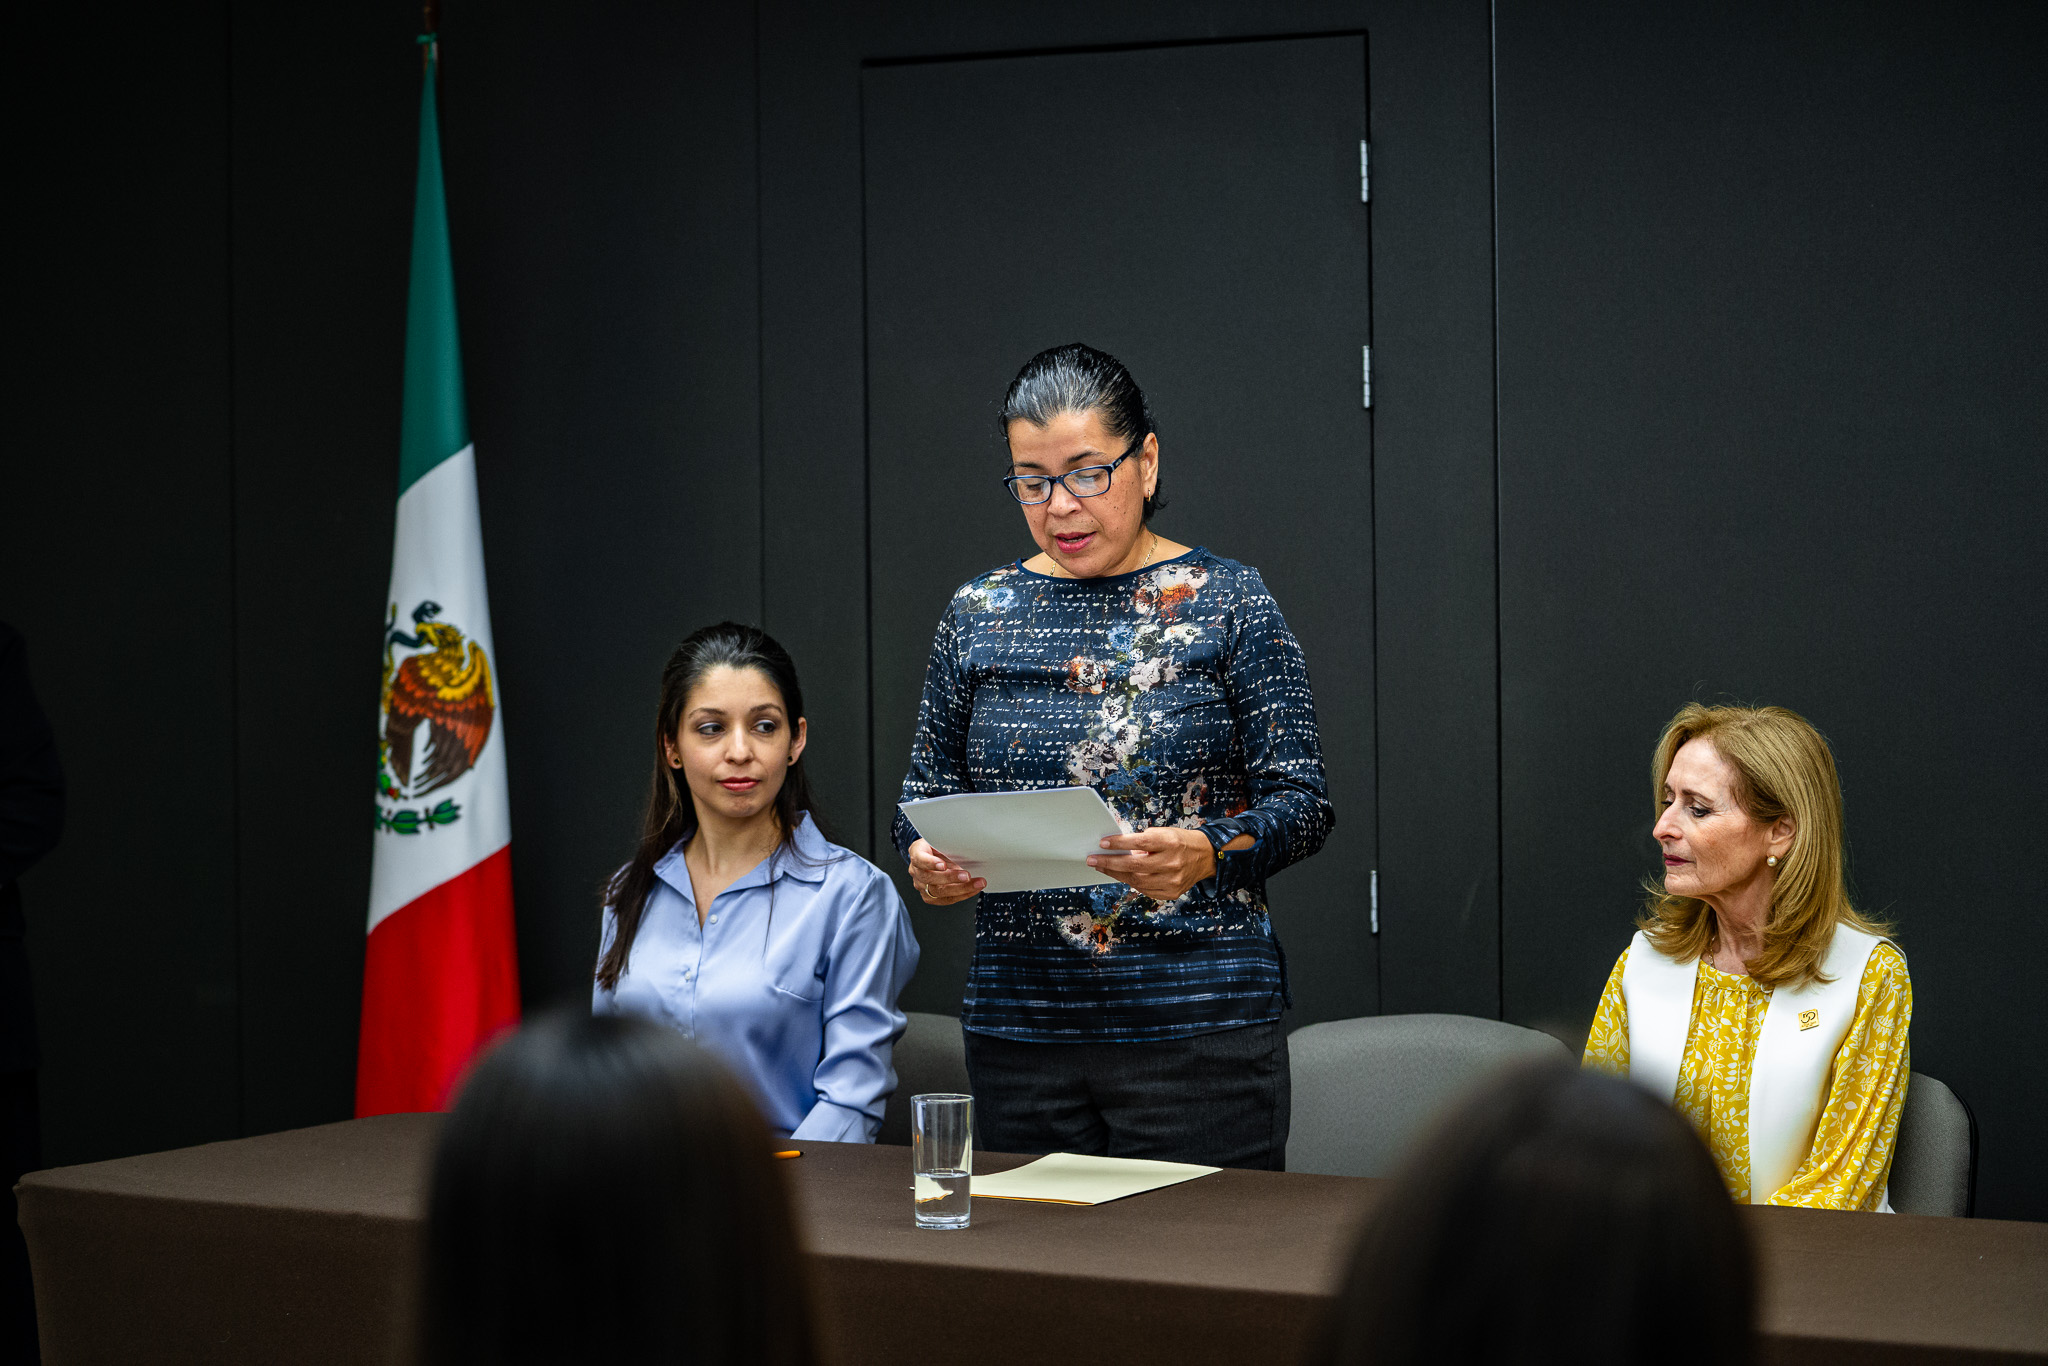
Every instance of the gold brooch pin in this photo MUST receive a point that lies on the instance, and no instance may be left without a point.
(1808, 1019)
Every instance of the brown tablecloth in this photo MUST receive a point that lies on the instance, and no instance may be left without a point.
(300, 1247)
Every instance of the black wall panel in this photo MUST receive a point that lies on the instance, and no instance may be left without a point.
(223, 231)
(602, 204)
(1433, 489)
(813, 443)
(324, 134)
(1772, 421)
(117, 565)
(1432, 507)
(1213, 238)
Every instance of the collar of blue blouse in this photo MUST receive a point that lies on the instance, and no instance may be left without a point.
(813, 853)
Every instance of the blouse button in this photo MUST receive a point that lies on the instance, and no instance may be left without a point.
(714, 920)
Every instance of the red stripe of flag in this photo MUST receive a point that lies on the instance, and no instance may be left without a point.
(440, 980)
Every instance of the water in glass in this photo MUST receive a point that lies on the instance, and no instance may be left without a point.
(941, 1159)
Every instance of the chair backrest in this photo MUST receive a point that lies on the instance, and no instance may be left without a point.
(929, 1057)
(1363, 1089)
(1934, 1161)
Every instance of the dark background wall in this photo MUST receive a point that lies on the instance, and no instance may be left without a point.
(1706, 364)
(1772, 427)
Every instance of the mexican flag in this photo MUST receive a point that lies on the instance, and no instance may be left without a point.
(440, 976)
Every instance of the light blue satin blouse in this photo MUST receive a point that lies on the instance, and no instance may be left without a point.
(791, 981)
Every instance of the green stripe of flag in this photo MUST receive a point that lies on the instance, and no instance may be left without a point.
(436, 421)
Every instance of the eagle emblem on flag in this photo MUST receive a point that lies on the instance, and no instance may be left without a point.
(446, 687)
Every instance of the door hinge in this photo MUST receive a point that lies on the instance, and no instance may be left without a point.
(1375, 901)
(1365, 358)
(1364, 174)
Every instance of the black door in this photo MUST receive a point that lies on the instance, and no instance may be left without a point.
(1196, 211)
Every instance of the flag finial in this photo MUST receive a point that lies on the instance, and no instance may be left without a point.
(430, 22)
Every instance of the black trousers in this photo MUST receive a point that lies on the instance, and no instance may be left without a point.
(1219, 1099)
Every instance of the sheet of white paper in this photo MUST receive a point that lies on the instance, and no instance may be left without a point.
(1019, 841)
(1081, 1180)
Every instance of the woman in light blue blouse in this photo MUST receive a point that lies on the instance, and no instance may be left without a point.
(737, 922)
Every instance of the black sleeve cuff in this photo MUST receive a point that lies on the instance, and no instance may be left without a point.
(1222, 832)
(1236, 868)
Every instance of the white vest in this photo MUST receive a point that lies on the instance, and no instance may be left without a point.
(1795, 1052)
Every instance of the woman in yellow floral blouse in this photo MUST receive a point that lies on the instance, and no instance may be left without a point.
(1754, 996)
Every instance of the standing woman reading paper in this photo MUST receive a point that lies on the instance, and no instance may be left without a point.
(737, 923)
(1140, 1019)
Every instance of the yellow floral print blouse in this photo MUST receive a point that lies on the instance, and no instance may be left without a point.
(1851, 1156)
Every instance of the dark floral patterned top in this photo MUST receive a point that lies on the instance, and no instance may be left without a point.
(1178, 693)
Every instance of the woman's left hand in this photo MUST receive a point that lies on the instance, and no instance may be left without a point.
(1166, 862)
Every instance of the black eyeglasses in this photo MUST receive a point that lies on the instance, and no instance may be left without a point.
(1087, 482)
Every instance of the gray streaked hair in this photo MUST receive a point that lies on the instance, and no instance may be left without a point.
(1076, 378)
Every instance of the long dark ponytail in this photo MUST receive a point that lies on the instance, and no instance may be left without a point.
(671, 816)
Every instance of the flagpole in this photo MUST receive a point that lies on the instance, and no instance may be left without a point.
(440, 957)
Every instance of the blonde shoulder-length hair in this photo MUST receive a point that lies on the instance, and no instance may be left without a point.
(1782, 768)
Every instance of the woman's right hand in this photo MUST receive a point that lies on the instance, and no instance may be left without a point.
(939, 880)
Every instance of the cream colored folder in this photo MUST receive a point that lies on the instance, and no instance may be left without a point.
(1077, 1179)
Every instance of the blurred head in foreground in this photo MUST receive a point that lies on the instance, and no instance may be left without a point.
(1555, 1216)
(602, 1191)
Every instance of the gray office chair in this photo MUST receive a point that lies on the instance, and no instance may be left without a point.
(929, 1057)
(1364, 1088)
(1934, 1163)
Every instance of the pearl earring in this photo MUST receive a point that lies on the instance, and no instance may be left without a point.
(1772, 860)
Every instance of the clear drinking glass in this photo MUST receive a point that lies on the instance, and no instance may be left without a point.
(941, 1159)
